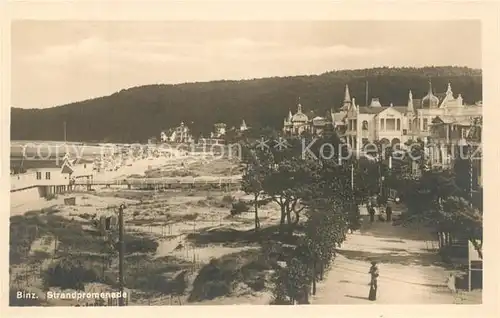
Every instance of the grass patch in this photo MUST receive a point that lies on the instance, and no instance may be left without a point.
(70, 234)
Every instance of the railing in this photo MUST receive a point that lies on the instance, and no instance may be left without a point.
(23, 181)
(162, 181)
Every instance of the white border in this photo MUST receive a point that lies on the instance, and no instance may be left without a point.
(486, 11)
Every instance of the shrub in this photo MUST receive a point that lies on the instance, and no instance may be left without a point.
(217, 278)
(239, 207)
(213, 280)
(257, 284)
(228, 199)
(190, 217)
(70, 274)
(139, 245)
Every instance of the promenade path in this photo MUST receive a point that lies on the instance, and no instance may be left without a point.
(410, 271)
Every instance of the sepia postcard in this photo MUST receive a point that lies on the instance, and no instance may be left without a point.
(168, 156)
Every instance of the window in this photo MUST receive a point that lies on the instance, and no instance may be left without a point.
(382, 124)
(398, 124)
(409, 125)
(390, 124)
(84, 166)
(365, 125)
(47, 175)
(426, 124)
(39, 176)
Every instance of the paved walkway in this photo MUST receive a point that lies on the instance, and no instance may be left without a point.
(410, 272)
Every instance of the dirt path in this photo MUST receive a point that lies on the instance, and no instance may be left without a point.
(410, 272)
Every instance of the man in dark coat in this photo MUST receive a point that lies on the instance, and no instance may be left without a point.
(373, 282)
(371, 211)
(388, 213)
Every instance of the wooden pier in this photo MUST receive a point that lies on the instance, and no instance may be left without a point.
(165, 183)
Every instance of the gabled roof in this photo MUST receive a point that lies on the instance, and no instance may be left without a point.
(401, 109)
(67, 167)
(451, 120)
(371, 110)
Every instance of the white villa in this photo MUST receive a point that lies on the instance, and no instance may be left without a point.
(219, 130)
(398, 124)
(179, 134)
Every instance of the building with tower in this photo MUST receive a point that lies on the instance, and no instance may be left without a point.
(219, 130)
(178, 134)
(430, 118)
(424, 119)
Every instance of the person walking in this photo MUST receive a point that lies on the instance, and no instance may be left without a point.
(371, 211)
(388, 213)
(373, 282)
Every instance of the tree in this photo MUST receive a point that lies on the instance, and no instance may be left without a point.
(436, 200)
(255, 173)
(465, 220)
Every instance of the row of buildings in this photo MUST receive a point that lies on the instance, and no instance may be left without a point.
(182, 133)
(443, 120)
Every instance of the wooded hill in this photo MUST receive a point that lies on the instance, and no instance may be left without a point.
(135, 114)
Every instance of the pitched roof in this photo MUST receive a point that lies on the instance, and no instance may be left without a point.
(451, 120)
(401, 109)
(371, 110)
(67, 167)
(338, 117)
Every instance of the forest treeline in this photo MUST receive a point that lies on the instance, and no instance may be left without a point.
(136, 114)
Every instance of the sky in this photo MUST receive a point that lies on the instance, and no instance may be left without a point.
(58, 62)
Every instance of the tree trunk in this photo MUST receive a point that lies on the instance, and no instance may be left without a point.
(322, 270)
(282, 218)
(314, 277)
(297, 217)
(257, 221)
(288, 215)
(290, 224)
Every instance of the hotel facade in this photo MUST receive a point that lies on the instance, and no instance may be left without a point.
(438, 119)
